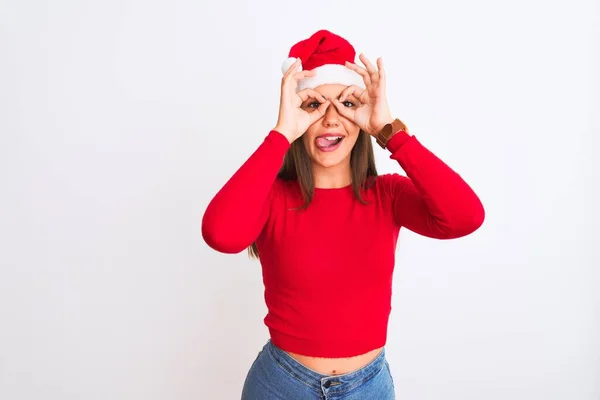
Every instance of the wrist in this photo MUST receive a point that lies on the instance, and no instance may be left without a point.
(389, 130)
(285, 133)
(376, 128)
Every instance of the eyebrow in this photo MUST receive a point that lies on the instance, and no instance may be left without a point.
(338, 95)
(310, 100)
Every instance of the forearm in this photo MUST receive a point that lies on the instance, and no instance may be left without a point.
(236, 214)
(437, 201)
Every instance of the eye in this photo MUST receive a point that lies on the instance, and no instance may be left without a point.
(316, 104)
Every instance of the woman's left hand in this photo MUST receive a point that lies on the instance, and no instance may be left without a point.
(372, 112)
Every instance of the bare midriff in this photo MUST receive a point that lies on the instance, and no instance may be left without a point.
(336, 366)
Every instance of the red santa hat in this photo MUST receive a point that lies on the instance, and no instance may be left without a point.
(325, 53)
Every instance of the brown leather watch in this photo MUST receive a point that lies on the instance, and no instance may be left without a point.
(386, 133)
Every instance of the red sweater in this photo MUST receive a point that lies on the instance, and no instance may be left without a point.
(327, 270)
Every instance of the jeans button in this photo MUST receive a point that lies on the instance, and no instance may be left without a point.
(327, 384)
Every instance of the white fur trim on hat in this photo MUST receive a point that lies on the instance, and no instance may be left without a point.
(331, 73)
(288, 63)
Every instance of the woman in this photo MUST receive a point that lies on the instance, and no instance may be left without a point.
(310, 205)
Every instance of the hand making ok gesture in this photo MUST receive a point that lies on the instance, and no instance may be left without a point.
(373, 111)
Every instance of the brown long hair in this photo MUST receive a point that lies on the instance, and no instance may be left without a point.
(298, 166)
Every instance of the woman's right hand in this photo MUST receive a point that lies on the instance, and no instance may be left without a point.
(293, 121)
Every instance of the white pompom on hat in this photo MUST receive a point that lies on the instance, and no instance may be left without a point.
(325, 53)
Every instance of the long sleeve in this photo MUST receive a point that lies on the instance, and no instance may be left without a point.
(432, 200)
(236, 215)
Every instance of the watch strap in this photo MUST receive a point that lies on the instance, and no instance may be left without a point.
(389, 130)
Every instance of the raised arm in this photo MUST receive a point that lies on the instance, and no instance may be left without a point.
(433, 200)
(237, 213)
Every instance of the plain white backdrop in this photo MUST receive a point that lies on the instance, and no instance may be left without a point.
(119, 120)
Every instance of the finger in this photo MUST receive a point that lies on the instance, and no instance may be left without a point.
(319, 112)
(291, 81)
(311, 93)
(297, 76)
(361, 71)
(382, 79)
(343, 110)
(373, 73)
(303, 74)
(370, 67)
(351, 90)
(292, 68)
(382, 76)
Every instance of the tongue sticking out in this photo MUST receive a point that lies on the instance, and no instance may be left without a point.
(322, 142)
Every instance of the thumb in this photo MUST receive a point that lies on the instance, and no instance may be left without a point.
(319, 112)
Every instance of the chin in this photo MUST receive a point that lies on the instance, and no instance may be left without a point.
(330, 159)
(327, 163)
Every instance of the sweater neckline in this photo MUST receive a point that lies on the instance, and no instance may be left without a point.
(329, 193)
(340, 189)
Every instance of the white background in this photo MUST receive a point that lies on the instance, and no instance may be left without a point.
(119, 120)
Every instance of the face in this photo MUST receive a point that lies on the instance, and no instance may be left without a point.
(326, 153)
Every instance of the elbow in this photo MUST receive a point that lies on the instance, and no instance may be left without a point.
(477, 216)
(221, 238)
(467, 223)
(221, 242)
(473, 223)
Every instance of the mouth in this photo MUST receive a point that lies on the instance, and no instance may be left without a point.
(328, 142)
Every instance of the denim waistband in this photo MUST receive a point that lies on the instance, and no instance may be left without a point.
(332, 384)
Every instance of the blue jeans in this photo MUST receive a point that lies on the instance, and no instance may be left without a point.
(275, 375)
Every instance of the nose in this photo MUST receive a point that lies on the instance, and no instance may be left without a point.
(332, 117)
